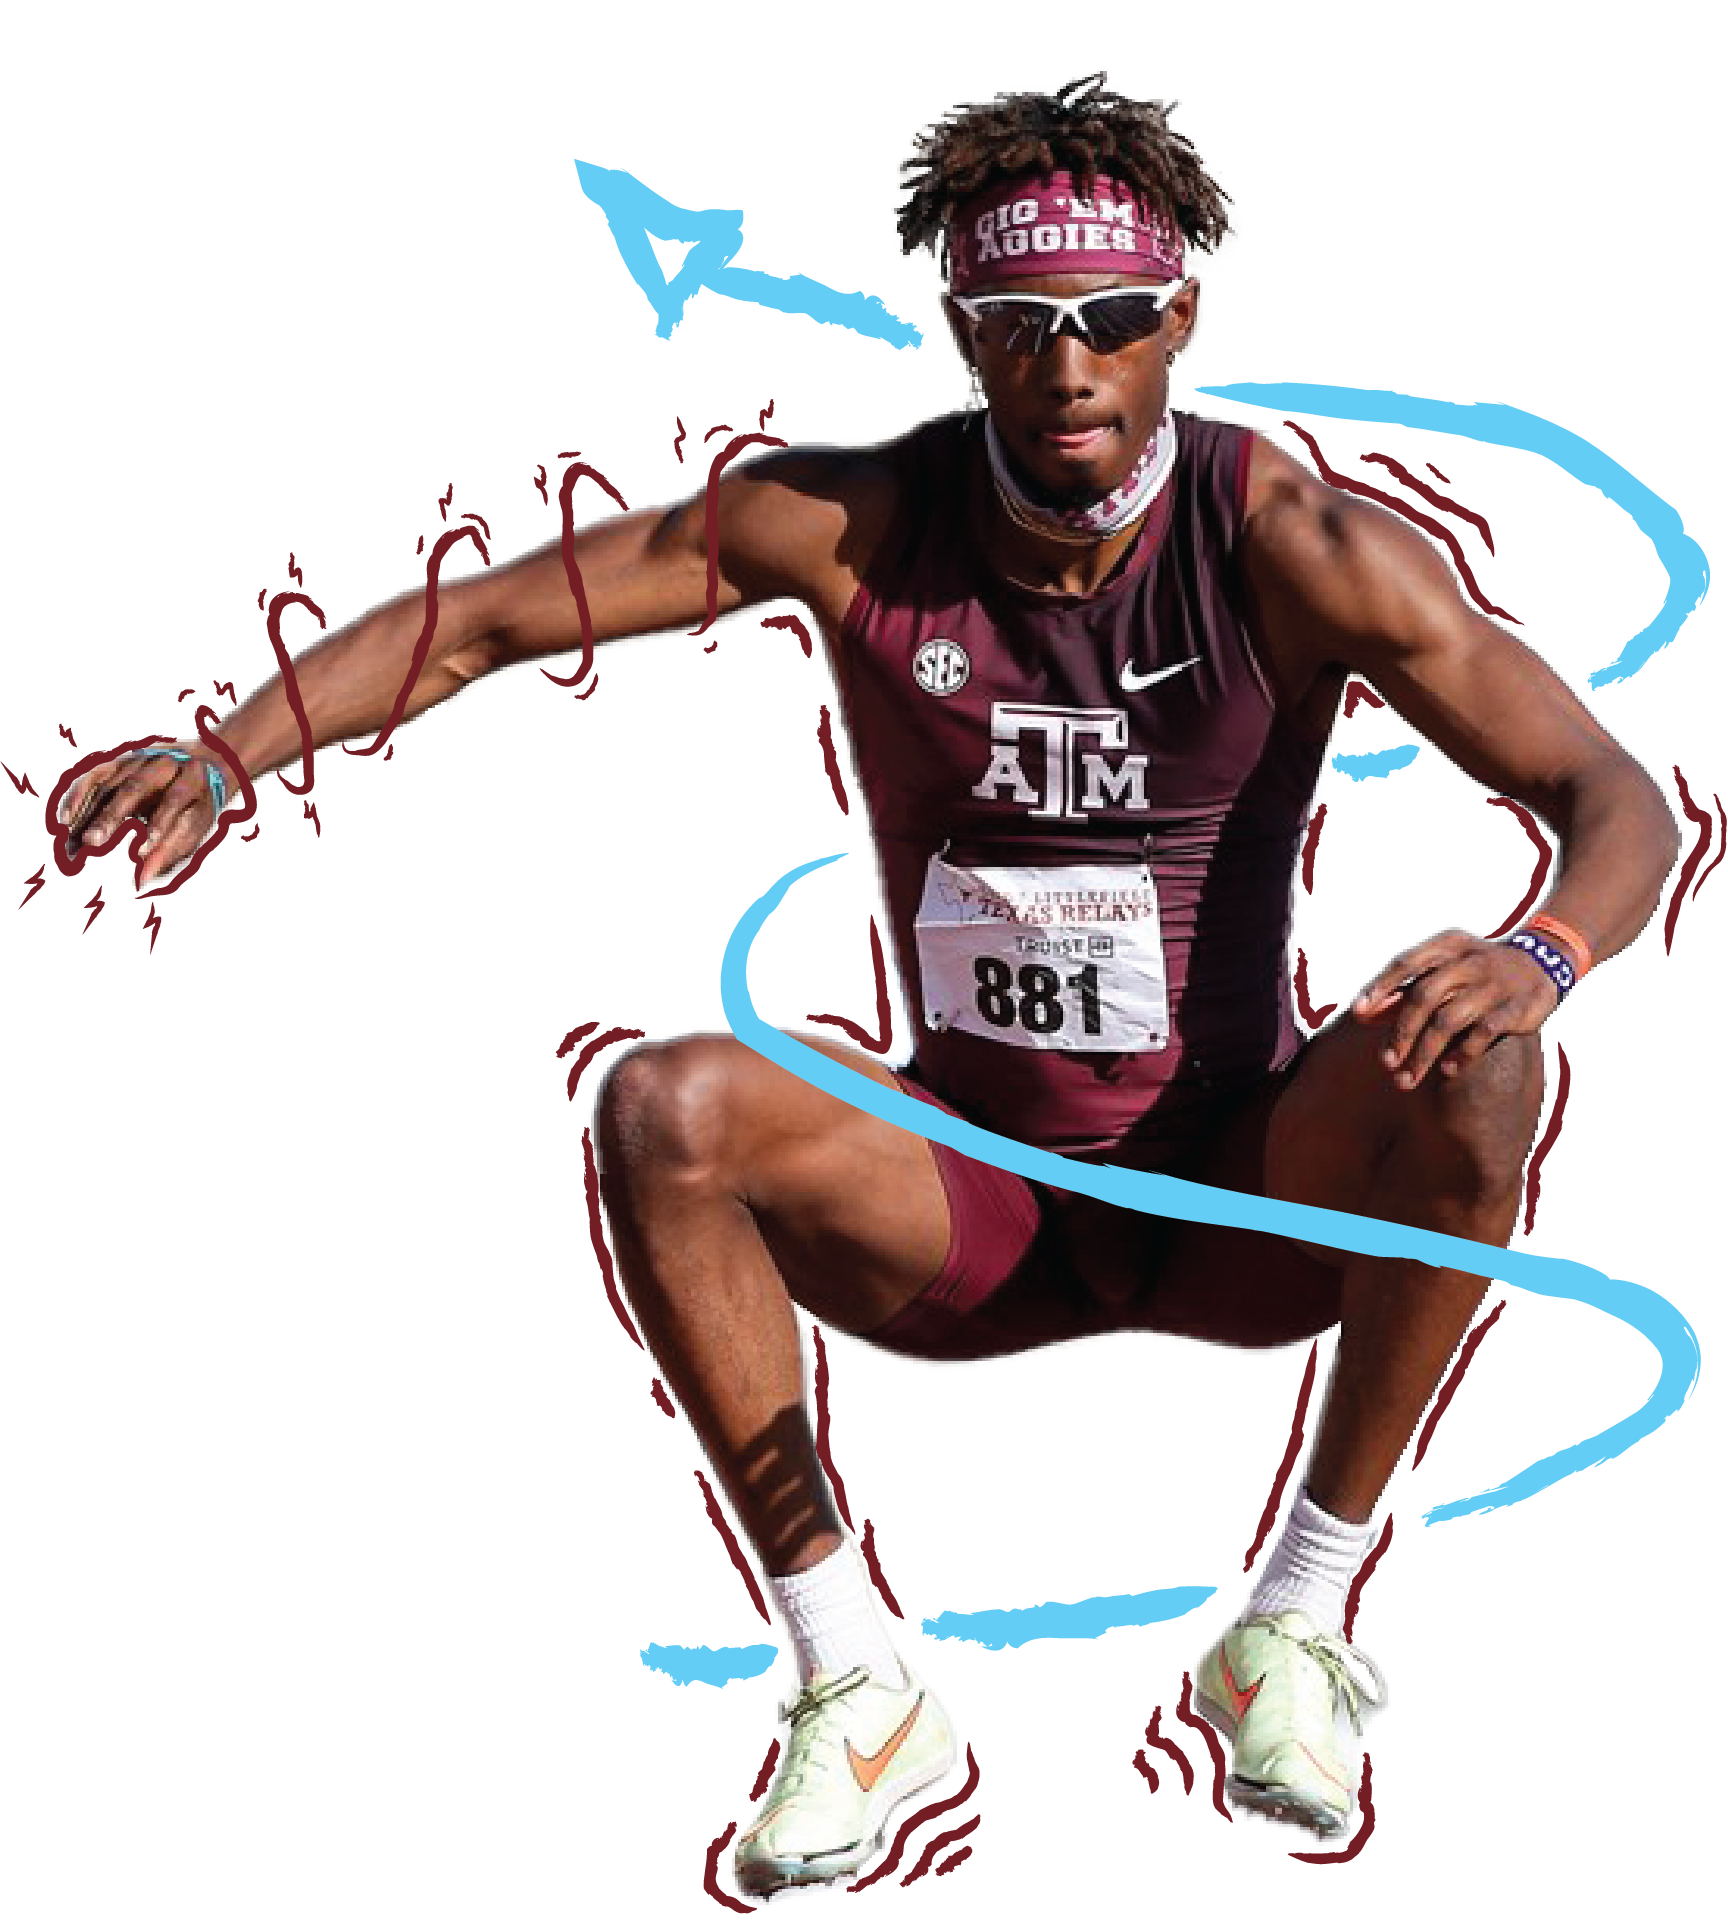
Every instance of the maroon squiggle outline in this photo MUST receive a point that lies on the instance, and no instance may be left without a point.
(291, 681)
(711, 1870)
(794, 625)
(572, 572)
(1538, 877)
(1294, 1447)
(223, 687)
(1358, 692)
(1359, 1840)
(296, 574)
(420, 546)
(1399, 471)
(662, 1402)
(954, 1860)
(153, 926)
(596, 1235)
(67, 731)
(1708, 871)
(261, 593)
(823, 1452)
(725, 427)
(766, 1773)
(892, 1860)
(23, 785)
(184, 691)
(96, 904)
(423, 646)
(711, 518)
(1310, 841)
(830, 760)
(580, 1032)
(764, 414)
(1314, 1016)
(1440, 533)
(35, 883)
(1215, 1747)
(936, 1846)
(480, 522)
(540, 484)
(1435, 471)
(594, 1046)
(444, 504)
(678, 443)
(1550, 1134)
(1146, 1768)
(1693, 812)
(586, 691)
(309, 811)
(868, 1544)
(883, 1038)
(1449, 1386)
(734, 1552)
(251, 836)
(1353, 1600)
(1156, 1739)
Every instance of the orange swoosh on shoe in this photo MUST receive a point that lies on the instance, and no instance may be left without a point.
(1241, 1700)
(867, 1769)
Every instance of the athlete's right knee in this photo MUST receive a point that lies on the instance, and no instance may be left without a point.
(672, 1104)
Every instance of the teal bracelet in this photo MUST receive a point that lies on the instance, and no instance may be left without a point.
(212, 774)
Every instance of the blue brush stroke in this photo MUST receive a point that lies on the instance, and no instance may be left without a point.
(1375, 766)
(1658, 1320)
(1501, 426)
(634, 211)
(716, 1666)
(1067, 1620)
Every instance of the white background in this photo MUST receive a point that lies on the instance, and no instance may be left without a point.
(333, 1505)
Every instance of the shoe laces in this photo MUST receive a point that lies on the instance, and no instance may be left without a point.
(1357, 1684)
(811, 1732)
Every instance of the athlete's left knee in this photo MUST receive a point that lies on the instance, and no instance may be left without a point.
(1473, 1129)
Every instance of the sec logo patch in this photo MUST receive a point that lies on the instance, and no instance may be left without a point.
(941, 667)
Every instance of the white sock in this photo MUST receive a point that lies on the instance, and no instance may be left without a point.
(831, 1615)
(1311, 1568)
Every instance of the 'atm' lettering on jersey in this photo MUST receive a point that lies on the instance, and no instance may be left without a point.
(1070, 774)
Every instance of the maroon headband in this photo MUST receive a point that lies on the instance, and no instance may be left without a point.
(1018, 229)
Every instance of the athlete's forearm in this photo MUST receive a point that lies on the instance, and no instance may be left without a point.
(349, 683)
(1618, 843)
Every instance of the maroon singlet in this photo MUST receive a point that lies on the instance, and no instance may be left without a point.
(955, 680)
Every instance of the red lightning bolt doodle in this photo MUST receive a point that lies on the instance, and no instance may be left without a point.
(310, 812)
(935, 1810)
(1538, 875)
(1359, 693)
(1450, 1386)
(723, 428)
(1722, 847)
(711, 1869)
(883, 1038)
(261, 593)
(1353, 1600)
(831, 761)
(279, 604)
(153, 923)
(766, 415)
(794, 625)
(1398, 471)
(1310, 842)
(880, 1580)
(597, 1237)
(678, 444)
(420, 545)
(294, 573)
(1155, 1739)
(1314, 1016)
(223, 687)
(1550, 1134)
(67, 732)
(1292, 1448)
(444, 504)
(1185, 1713)
(184, 691)
(540, 482)
(35, 883)
(1146, 1768)
(572, 572)
(423, 645)
(20, 781)
(1694, 813)
(1444, 535)
(936, 1847)
(95, 904)
(711, 516)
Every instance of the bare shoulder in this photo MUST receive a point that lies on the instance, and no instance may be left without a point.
(800, 523)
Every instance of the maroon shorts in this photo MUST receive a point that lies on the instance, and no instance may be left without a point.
(1029, 1264)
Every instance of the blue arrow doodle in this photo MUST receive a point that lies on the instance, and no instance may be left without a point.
(634, 211)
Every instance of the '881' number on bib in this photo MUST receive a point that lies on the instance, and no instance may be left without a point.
(1034, 998)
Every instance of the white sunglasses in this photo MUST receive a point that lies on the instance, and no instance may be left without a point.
(1026, 323)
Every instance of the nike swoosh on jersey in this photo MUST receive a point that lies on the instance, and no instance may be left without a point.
(1134, 683)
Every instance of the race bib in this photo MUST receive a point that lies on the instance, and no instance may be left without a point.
(1066, 957)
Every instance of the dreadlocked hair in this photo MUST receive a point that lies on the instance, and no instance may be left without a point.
(1084, 129)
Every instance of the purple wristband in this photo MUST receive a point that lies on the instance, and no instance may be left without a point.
(1550, 958)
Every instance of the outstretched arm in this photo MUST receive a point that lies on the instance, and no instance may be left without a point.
(791, 525)
(1342, 583)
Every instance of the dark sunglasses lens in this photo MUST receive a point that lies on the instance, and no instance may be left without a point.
(1014, 326)
(1119, 319)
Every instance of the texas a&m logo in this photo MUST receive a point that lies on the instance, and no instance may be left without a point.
(1062, 762)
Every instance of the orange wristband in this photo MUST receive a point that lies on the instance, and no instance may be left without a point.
(1574, 940)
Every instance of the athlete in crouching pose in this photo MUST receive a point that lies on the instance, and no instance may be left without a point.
(1090, 651)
